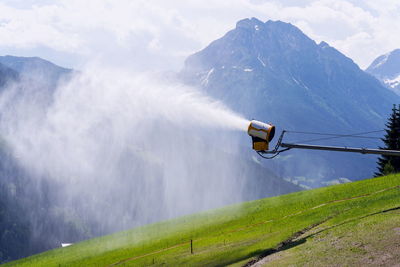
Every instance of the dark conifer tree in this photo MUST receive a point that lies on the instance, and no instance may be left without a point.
(390, 164)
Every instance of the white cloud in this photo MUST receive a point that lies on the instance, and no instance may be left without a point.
(156, 34)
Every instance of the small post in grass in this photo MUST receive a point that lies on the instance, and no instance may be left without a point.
(191, 246)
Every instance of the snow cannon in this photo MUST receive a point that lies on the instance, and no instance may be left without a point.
(261, 134)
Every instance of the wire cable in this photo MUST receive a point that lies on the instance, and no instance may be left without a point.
(273, 156)
(276, 152)
(335, 136)
(315, 133)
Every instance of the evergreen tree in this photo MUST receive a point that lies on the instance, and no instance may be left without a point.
(390, 164)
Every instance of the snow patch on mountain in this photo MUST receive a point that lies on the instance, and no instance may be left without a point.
(392, 82)
(261, 61)
(206, 79)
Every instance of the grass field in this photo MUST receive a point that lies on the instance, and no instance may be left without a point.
(237, 234)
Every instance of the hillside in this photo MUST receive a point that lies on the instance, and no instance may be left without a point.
(344, 217)
(29, 224)
(386, 68)
(273, 72)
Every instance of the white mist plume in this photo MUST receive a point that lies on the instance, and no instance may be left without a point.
(126, 148)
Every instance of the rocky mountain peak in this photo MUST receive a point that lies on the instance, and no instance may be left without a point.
(387, 69)
(387, 65)
(254, 44)
(247, 23)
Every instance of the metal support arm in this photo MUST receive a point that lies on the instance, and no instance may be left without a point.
(343, 149)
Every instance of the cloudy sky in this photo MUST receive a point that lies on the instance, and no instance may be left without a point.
(159, 34)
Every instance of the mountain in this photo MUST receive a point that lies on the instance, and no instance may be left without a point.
(386, 68)
(29, 222)
(36, 72)
(34, 66)
(273, 72)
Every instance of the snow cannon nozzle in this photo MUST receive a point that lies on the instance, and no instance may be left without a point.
(261, 134)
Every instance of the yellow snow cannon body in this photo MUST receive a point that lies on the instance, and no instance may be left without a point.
(261, 134)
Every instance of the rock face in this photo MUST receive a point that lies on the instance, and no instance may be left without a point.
(386, 68)
(273, 72)
(7, 75)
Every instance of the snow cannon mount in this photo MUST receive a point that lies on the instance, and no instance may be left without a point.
(262, 134)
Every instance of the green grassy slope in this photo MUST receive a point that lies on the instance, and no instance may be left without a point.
(231, 235)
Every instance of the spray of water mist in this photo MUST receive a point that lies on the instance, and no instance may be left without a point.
(125, 148)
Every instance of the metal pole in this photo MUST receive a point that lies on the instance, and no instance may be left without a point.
(344, 149)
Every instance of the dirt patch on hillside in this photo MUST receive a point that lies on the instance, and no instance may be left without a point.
(272, 254)
(372, 240)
